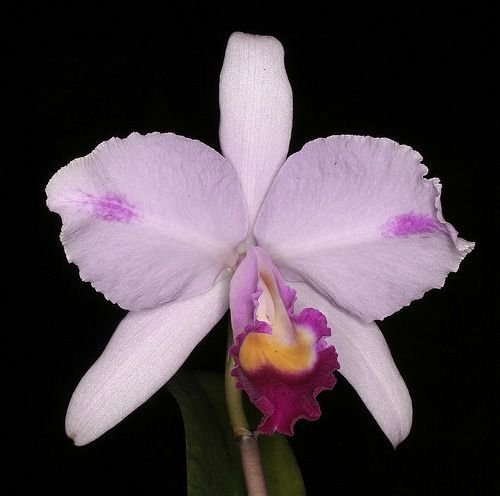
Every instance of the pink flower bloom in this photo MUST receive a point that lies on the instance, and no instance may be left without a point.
(307, 251)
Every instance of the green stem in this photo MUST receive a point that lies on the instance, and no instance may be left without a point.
(246, 439)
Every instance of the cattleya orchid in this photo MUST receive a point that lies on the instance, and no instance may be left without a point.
(306, 251)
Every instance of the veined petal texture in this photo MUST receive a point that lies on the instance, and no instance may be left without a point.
(149, 219)
(354, 217)
(255, 113)
(145, 351)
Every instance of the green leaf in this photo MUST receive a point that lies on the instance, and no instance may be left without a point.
(213, 459)
(282, 473)
(211, 454)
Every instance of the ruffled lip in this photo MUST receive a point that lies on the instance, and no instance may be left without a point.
(282, 396)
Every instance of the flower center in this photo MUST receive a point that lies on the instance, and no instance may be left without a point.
(260, 349)
(271, 309)
(282, 359)
(286, 348)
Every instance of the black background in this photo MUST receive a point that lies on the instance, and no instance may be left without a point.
(420, 75)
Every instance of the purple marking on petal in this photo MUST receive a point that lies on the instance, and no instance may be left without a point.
(112, 208)
(410, 223)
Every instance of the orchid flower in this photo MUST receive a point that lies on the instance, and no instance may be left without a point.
(306, 251)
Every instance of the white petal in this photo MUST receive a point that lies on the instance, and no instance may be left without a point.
(147, 348)
(255, 113)
(366, 362)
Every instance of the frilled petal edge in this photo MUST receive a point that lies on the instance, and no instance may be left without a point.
(354, 217)
(147, 348)
(149, 219)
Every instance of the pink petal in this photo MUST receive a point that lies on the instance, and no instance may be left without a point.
(366, 362)
(149, 219)
(354, 217)
(147, 348)
(255, 113)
